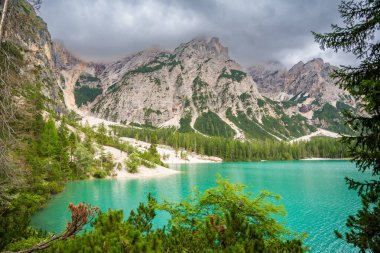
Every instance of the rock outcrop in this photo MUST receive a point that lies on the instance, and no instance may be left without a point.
(29, 33)
(156, 86)
(312, 78)
(308, 89)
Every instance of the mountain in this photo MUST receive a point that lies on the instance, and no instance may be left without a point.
(307, 89)
(159, 87)
(198, 87)
(195, 87)
(28, 47)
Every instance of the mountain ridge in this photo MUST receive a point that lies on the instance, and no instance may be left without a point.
(165, 88)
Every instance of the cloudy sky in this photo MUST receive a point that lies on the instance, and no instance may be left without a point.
(253, 30)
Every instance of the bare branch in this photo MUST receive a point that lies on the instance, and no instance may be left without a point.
(81, 215)
(2, 20)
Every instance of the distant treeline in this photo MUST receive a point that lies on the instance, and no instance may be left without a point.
(236, 150)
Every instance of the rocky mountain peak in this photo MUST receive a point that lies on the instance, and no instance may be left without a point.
(312, 77)
(316, 61)
(217, 47)
(269, 76)
(201, 48)
(267, 68)
(316, 64)
(63, 58)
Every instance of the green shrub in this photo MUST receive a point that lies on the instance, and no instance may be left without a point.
(244, 97)
(260, 102)
(221, 219)
(133, 162)
(148, 164)
(235, 75)
(99, 174)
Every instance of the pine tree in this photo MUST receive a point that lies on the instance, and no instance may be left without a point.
(83, 159)
(49, 139)
(72, 144)
(102, 134)
(359, 36)
(153, 144)
(63, 148)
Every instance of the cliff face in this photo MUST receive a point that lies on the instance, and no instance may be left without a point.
(156, 86)
(30, 35)
(199, 82)
(270, 79)
(312, 79)
(196, 86)
(308, 89)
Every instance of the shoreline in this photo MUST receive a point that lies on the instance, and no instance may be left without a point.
(171, 157)
(325, 159)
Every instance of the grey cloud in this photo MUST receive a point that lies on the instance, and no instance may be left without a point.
(254, 31)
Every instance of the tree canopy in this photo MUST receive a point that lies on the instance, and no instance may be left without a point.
(359, 35)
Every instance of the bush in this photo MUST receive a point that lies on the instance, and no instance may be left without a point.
(148, 164)
(222, 219)
(99, 174)
(133, 162)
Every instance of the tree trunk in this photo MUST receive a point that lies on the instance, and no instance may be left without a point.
(2, 21)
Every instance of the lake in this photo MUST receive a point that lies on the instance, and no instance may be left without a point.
(314, 194)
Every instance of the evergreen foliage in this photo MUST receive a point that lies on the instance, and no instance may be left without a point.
(185, 126)
(85, 78)
(133, 162)
(235, 150)
(211, 124)
(200, 93)
(85, 94)
(244, 97)
(222, 219)
(49, 139)
(359, 36)
(250, 127)
(156, 64)
(235, 75)
(40, 152)
(334, 117)
(294, 101)
(285, 127)
(83, 159)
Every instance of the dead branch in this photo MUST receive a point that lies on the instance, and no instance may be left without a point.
(81, 215)
(2, 20)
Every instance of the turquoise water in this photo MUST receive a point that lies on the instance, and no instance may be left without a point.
(314, 193)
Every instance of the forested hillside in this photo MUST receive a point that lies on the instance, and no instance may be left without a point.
(235, 150)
